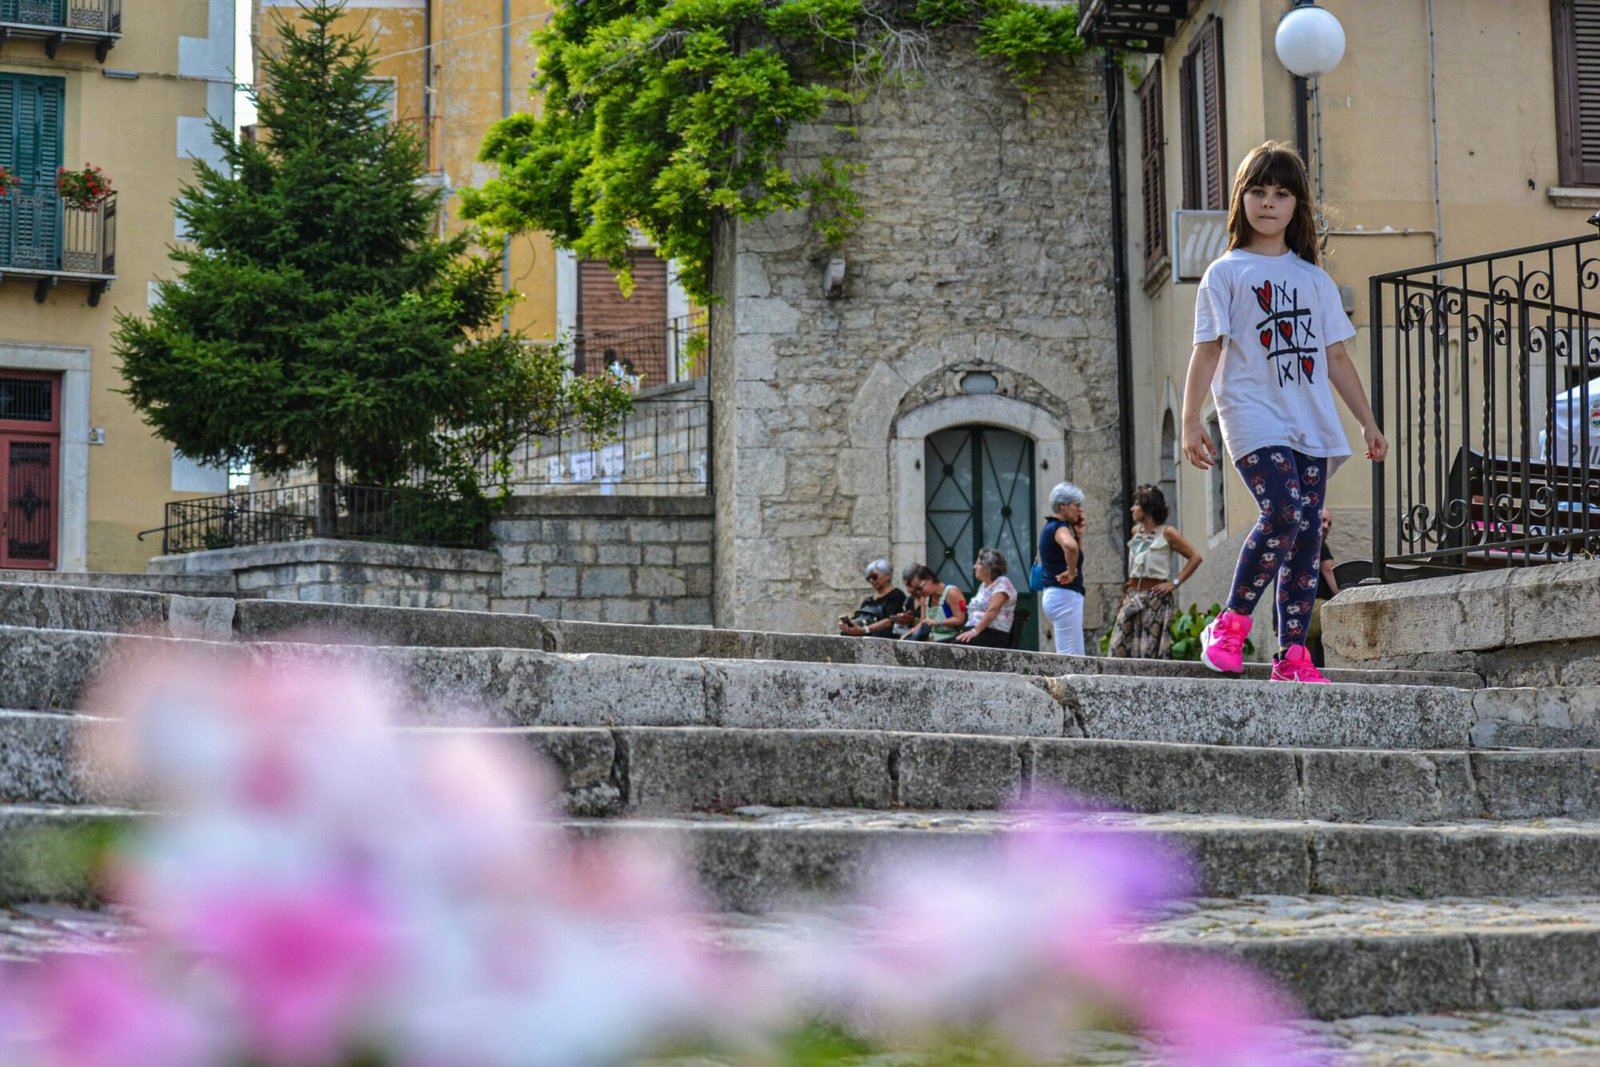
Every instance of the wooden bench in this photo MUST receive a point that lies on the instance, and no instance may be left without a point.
(1522, 511)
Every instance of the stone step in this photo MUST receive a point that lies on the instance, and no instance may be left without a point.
(1373, 970)
(1340, 956)
(48, 669)
(758, 858)
(183, 584)
(650, 770)
(108, 610)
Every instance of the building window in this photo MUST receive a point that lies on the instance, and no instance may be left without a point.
(381, 102)
(1576, 28)
(1216, 484)
(624, 334)
(1152, 169)
(30, 149)
(1169, 464)
(1205, 150)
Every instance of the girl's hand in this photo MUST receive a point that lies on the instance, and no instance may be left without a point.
(1377, 444)
(1165, 587)
(1065, 577)
(1198, 447)
(966, 635)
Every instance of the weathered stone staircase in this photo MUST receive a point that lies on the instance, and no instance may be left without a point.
(1375, 844)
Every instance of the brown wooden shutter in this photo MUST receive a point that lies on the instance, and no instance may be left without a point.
(1216, 148)
(1152, 168)
(1189, 125)
(630, 331)
(1575, 26)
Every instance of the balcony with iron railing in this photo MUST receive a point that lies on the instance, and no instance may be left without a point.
(48, 239)
(56, 22)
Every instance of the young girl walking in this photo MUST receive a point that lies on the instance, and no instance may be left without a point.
(1269, 333)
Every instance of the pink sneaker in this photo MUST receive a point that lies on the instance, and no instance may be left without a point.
(1222, 642)
(1294, 664)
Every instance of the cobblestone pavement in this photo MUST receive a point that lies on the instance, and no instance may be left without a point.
(1541, 1039)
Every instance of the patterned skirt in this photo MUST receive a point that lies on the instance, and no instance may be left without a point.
(1143, 629)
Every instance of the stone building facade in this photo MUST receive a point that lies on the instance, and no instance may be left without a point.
(967, 361)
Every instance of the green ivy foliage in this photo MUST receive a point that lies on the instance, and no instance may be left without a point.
(659, 114)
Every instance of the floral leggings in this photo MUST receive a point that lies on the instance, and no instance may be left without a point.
(1286, 542)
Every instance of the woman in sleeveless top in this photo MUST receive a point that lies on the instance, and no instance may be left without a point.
(1143, 629)
(1061, 553)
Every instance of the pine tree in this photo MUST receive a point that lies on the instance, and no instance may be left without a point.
(318, 320)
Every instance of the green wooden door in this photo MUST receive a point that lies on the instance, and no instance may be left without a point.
(979, 482)
(30, 148)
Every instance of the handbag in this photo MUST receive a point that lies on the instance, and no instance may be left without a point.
(1038, 577)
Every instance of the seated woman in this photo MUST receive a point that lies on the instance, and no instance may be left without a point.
(944, 608)
(875, 616)
(993, 607)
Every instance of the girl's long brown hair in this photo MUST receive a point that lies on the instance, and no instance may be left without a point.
(1275, 163)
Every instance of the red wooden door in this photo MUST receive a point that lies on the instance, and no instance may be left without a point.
(30, 447)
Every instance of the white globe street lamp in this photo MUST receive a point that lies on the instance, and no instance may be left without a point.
(1310, 41)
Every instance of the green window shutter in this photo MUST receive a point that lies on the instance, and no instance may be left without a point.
(30, 147)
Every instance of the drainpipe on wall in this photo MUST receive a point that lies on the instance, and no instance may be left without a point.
(1119, 281)
(430, 142)
(505, 112)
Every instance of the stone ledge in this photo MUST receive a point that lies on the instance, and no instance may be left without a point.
(572, 506)
(328, 550)
(1476, 612)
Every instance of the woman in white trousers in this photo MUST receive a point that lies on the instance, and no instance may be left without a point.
(1061, 552)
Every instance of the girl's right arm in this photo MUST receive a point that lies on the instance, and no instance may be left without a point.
(1070, 551)
(1197, 444)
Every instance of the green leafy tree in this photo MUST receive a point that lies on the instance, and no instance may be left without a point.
(661, 114)
(318, 320)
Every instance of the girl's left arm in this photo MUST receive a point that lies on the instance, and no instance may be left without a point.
(1342, 374)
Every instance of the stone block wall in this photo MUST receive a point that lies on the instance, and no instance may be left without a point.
(639, 559)
(325, 571)
(984, 263)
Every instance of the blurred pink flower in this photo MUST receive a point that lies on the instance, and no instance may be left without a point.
(109, 1011)
(306, 968)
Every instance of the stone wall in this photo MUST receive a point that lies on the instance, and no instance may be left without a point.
(606, 558)
(986, 250)
(320, 570)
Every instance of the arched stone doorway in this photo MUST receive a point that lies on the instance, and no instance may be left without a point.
(1033, 438)
(980, 492)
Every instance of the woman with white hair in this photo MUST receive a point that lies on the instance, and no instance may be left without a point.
(876, 615)
(1061, 553)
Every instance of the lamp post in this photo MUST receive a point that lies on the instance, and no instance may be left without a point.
(1309, 43)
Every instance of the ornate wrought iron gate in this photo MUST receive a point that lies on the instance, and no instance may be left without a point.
(979, 482)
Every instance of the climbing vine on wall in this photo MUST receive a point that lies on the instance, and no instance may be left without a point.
(656, 114)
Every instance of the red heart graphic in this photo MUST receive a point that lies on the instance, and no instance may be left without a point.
(1264, 296)
(1308, 365)
(1287, 331)
(1266, 338)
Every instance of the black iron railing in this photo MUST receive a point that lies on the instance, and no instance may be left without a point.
(669, 351)
(361, 512)
(96, 22)
(43, 234)
(1486, 377)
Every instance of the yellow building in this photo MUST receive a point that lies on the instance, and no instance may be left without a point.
(85, 81)
(456, 67)
(1440, 135)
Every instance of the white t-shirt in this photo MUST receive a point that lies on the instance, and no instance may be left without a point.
(1276, 316)
(980, 603)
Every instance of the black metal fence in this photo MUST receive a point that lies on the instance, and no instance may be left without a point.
(1486, 377)
(361, 512)
(662, 448)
